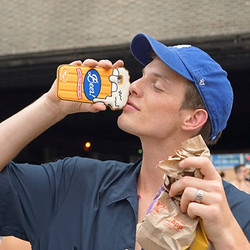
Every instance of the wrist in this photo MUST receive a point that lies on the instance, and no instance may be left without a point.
(52, 106)
(232, 239)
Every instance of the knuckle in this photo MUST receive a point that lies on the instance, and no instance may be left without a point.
(204, 160)
(190, 210)
(218, 198)
(214, 212)
(187, 190)
(216, 186)
(186, 180)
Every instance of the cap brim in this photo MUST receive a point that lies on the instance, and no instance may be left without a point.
(142, 47)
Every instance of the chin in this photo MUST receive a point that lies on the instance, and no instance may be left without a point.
(121, 122)
(124, 125)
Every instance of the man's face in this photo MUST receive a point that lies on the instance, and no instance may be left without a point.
(154, 106)
(242, 173)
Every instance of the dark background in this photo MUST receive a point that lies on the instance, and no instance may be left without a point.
(24, 78)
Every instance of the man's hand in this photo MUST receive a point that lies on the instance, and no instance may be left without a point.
(218, 221)
(70, 107)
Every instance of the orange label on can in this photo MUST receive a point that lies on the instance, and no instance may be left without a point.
(86, 84)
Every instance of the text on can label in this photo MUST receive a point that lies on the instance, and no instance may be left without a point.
(92, 84)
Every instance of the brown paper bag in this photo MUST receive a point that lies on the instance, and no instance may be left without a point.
(166, 227)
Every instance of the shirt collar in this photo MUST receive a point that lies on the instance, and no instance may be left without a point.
(126, 187)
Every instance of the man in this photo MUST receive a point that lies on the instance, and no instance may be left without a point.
(241, 181)
(79, 203)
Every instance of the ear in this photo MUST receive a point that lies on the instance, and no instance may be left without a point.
(195, 120)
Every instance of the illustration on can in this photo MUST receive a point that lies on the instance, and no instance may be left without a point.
(86, 84)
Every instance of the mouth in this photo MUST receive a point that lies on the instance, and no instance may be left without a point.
(131, 105)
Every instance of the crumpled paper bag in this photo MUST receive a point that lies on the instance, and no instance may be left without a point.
(166, 227)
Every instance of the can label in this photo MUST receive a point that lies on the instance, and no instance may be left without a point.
(79, 83)
(86, 84)
(92, 84)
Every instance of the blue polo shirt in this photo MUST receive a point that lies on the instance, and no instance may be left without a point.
(79, 203)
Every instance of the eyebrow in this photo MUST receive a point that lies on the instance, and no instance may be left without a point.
(164, 78)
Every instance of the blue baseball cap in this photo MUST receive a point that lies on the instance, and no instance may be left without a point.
(197, 66)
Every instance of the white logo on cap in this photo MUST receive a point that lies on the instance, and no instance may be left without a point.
(202, 81)
(182, 46)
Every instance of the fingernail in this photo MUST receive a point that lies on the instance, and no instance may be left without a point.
(170, 193)
(181, 163)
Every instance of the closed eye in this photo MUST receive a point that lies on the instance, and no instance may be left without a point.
(156, 80)
(157, 87)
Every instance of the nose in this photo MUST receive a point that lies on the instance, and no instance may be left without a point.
(135, 88)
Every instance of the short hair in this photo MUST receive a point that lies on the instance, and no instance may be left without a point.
(193, 100)
(237, 167)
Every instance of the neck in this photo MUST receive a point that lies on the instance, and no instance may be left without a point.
(241, 180)
(150, 178)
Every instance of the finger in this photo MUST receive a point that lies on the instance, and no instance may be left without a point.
(211, 213)
(77, 62)
(197, 210)
(95, 107)
(90, 62)
(99, 106)
(105, 64)
(118, 63)
(190, 195)
(203, 164)
(89, 107)
(187, 181)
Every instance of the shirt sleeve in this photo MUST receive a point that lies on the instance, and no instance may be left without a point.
(30, 196)
(239, 203)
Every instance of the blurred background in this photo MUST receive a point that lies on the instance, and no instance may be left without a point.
(37, 36)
